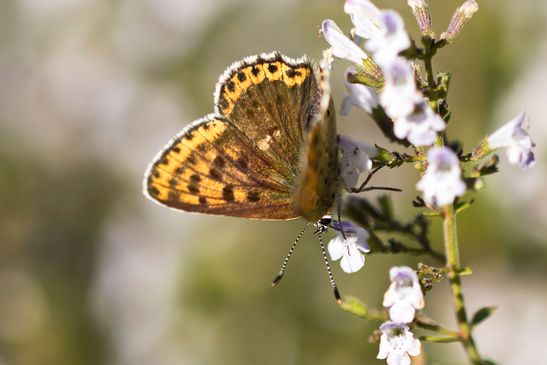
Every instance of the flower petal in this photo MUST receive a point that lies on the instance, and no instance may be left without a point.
(353, 262)
(341, 45)
(336, 248)
(401, 312)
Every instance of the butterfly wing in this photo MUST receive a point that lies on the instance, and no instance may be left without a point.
(211, 167)
(320, 163)
(245, 160)
(271, 98)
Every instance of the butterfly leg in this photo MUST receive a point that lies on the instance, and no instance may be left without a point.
(364, 187)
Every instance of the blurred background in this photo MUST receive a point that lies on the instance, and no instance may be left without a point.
(93, 273)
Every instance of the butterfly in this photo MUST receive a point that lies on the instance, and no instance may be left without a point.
(268, 151)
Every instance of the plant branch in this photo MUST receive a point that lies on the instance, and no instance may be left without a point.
(453, 269)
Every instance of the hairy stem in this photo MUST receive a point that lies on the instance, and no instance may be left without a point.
(452, 265)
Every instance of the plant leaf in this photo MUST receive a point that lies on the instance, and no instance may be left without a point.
(481, 315)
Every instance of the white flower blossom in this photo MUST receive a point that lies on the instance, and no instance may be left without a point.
(341, 45)
(392, 39)
(420, 127)
(351, 249)
(362, 96)
(515, 138)
(399, 95)
(404, 295)
(365, 16)
(397, 343)
(356, 158)
(442, 180)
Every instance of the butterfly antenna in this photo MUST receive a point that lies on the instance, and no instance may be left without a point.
(329, 271)
(281, 272)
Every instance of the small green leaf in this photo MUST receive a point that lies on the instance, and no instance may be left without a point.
(464, 271)
(461, 206)
(439, 339)
(481, 315)
(355, 306)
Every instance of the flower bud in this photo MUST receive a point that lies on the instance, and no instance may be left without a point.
(459, 19)
(420, 9)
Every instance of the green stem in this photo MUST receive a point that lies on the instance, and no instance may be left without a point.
(452, 265)
(428, 324)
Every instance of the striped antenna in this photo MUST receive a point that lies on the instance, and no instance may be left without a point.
(329, 271)
(281, 272)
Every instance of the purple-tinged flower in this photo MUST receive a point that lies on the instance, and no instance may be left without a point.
(420, 9)
(341, 45)
(459, 19)
(391, 40)
(362, 96)
(442, 181)
(420, 127)
(356, 158)
(399, 95)
(514, 136)
(397, 344)
(350, 251)
(365, 16)
(404, 295)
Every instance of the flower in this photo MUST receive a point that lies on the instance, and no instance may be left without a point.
(341, 45)
(356, 158)
(397, 343)
(421, 126)
(514, 136)
(442, 180)
(399, 95)
(360, 95)
(350, 250)
(420, 9)
(459, 19)
(365, 16)
(391, 40)
(404, 295)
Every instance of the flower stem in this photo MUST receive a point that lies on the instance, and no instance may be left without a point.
(428, 324)
(452, 265)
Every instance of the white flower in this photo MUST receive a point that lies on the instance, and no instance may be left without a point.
(391, 40)
(514, 136)
(364, 97)
(442, 180)
(365, 16)
(341, 45)
(397, 343)
(399, 95)
(351, 249)
(356, 158)
(421, 126)
(404, 295)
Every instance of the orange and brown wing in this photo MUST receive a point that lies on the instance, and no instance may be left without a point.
(271, 99)
(212, 167)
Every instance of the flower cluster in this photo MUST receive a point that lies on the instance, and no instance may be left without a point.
(403, 298)
(386, 81)
(385, 38)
